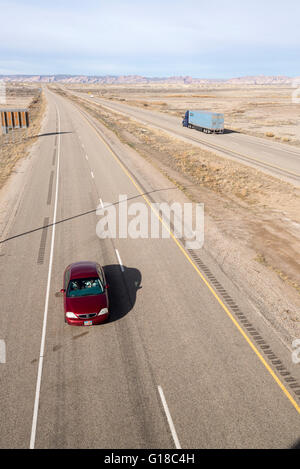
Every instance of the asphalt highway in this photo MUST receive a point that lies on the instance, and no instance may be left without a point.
(278, 159)
(185, 361)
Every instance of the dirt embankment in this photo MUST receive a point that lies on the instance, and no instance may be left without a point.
(250, 208)
(15, 146)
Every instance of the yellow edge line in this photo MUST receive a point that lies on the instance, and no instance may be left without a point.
(267, 366)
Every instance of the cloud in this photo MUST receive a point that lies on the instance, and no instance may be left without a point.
(123, 35)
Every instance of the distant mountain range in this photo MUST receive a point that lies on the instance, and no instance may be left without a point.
(137, 79)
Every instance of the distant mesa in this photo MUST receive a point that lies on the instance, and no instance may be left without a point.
(137, 79)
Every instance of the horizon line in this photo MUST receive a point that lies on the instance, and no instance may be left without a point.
(138, 75)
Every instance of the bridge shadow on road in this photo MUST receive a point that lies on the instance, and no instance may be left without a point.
(89, 212)
(122, 291)
(49, 134)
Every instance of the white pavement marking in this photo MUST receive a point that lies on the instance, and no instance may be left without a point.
(102, 206)
(120, 261)
(92, 174)
(169, 418)
(42, 348)
(86, 157)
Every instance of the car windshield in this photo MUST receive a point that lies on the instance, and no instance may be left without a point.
(85, 287)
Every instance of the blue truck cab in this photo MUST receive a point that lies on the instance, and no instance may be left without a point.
(208, 122)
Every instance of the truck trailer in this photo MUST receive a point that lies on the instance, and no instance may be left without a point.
(208, 122)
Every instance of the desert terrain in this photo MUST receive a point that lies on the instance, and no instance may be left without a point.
(260, 110)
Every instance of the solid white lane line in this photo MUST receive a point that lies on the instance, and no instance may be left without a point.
(119, 259)
(42, 348)
(92, 174)
(169, 418)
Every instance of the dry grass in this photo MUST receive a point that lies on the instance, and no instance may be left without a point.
(260, 258)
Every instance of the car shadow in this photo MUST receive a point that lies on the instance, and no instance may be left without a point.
(296, 445)
(122, 291)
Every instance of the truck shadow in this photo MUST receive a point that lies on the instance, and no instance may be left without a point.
(123, 287)
(230, 131)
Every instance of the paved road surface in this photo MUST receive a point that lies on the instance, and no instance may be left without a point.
(170, 332)
(280, 160)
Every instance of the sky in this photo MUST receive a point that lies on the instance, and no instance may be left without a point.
(153, 38)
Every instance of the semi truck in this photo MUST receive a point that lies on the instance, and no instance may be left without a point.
(207, 122)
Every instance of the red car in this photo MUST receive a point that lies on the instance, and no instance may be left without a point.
(85, 294)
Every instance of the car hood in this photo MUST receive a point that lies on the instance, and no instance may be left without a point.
(86, 304)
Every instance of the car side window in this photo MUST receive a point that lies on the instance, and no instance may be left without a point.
(100, 275)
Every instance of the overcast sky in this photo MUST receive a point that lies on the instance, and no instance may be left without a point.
(201, 38)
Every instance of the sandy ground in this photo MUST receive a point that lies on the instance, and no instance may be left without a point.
(252, 220)
(264, 111)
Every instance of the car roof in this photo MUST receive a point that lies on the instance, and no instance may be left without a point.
(83, 269)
